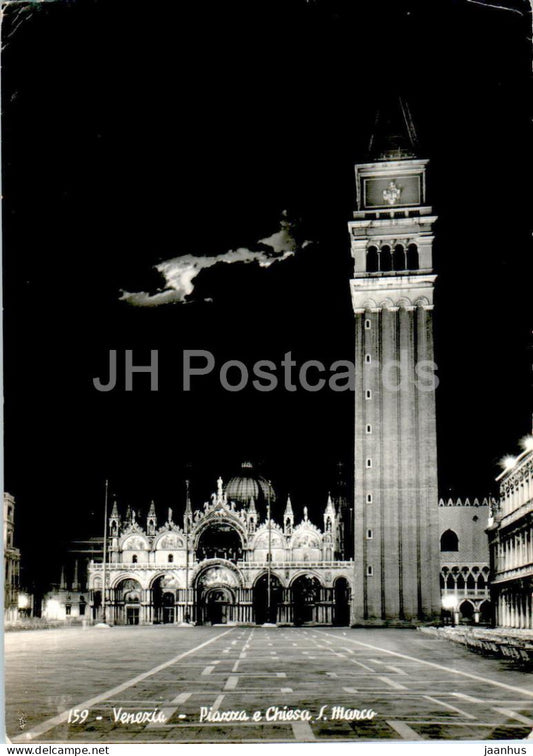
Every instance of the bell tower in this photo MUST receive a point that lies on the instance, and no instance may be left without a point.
(396, 549)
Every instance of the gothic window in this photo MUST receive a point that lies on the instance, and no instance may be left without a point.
(134, 559)
(68, 609)
(368, 394)
(470, 582)
(372, 260)
(450, 582)
(398, 258)
(369, 498)
(369, 462)
(449, 541)
(171, 557)
(368, 358)
(385, 258)
(368, 324)
(461, 583)
(412, 257)
(369, 570)
(369, 429)
(481, 582)
(369, 534)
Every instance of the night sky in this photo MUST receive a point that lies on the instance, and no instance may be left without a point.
(138, 132)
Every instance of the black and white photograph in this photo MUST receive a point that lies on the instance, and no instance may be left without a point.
(267, 370)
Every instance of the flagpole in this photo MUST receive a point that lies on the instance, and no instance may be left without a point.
(187, 618)
(269, 562)
(105, 555)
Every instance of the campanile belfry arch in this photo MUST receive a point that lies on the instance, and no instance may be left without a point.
(396, 551)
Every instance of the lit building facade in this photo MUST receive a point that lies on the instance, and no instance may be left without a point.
(229, 562)
(511, 544)
(11, 562)
(68, 599)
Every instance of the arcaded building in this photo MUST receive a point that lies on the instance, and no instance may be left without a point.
(511, 543)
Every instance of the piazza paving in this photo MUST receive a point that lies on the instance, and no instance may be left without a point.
(257, 684)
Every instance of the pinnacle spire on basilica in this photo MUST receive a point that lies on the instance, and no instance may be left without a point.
(288, 517)
(114, 510)
(288, 508)
(394, 135)
(329, 515)
(151, 519)
(187, 516)
(330, 506)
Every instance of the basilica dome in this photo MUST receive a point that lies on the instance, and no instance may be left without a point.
(249, 484)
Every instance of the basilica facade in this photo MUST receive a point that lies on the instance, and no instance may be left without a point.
(228, 562)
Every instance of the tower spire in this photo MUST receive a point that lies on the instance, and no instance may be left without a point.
(394, 135)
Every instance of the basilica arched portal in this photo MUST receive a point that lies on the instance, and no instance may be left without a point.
(305, 591)
(164, 599)
(127, 602)
(265, 610)
(216, 595)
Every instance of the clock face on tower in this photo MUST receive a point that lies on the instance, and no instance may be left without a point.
(397, 191)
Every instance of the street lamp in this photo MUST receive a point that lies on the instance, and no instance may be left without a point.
(449, 602)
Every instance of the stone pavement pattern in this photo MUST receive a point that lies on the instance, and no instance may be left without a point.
(420, 687)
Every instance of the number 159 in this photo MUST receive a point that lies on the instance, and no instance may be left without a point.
(77, 716)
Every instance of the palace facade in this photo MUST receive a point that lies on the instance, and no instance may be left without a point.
(464, 559)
